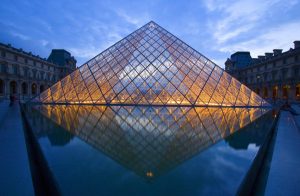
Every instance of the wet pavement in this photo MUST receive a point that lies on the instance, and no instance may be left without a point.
(15, 178)
(284, 176)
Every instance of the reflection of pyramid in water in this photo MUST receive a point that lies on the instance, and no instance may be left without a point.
(151, 66)
(150, 140)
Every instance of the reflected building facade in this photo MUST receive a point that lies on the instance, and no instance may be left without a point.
(147, 140)
(25, 75)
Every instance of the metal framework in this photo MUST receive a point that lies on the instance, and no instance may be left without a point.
(146, 139)
(151, 67)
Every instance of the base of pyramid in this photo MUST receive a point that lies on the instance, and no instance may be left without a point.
(153, 105)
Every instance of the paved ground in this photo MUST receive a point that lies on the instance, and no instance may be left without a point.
(284, 176)
(15, 176)
(297, 117)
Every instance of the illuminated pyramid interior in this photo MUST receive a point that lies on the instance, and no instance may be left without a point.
(151, 67)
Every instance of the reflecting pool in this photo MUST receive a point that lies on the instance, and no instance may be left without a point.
(136, 150)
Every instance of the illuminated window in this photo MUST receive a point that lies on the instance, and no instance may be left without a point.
(285, 91)
(298, 91)
(33, 89)
(275, 92)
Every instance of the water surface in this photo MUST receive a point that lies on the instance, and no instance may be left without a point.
(122, 150)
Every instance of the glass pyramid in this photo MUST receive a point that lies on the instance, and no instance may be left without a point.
(151, 67)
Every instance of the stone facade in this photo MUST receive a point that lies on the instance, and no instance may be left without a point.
(25, 75)
(273, 76)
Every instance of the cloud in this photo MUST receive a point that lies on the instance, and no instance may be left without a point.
(128, 18)
(213, 5)
(250, 25)
(236, 17)
(20, 36)
(99, 35)
(224, 37)
(84, 52)
(281, 36)
(136, 21)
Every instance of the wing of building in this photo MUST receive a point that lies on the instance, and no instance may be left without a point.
(273, 76)
(25, 75)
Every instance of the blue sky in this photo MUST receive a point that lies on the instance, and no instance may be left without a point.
(215, 28)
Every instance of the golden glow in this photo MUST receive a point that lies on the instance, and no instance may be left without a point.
(149, 174)
(124, 131)
(151, 67)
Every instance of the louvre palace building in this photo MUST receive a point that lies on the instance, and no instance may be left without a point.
(274, 76)
(25, 75)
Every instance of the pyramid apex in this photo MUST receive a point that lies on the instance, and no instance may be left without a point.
(152, 24)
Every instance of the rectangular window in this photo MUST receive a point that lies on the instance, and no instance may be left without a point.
(16, 58)
(25, 72)
(26, 61)
(15, 67)
(3, 68)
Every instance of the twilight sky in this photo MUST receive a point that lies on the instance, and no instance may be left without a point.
(216, 28)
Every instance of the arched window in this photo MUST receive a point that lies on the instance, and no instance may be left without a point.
(33, 89)
(1, 87)
(3, 67)
(285, 91)
(24, 88)
(275, 92)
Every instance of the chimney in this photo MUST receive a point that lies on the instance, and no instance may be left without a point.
(261, 58)
(296, 44)
(268, 55)
(277, 51)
